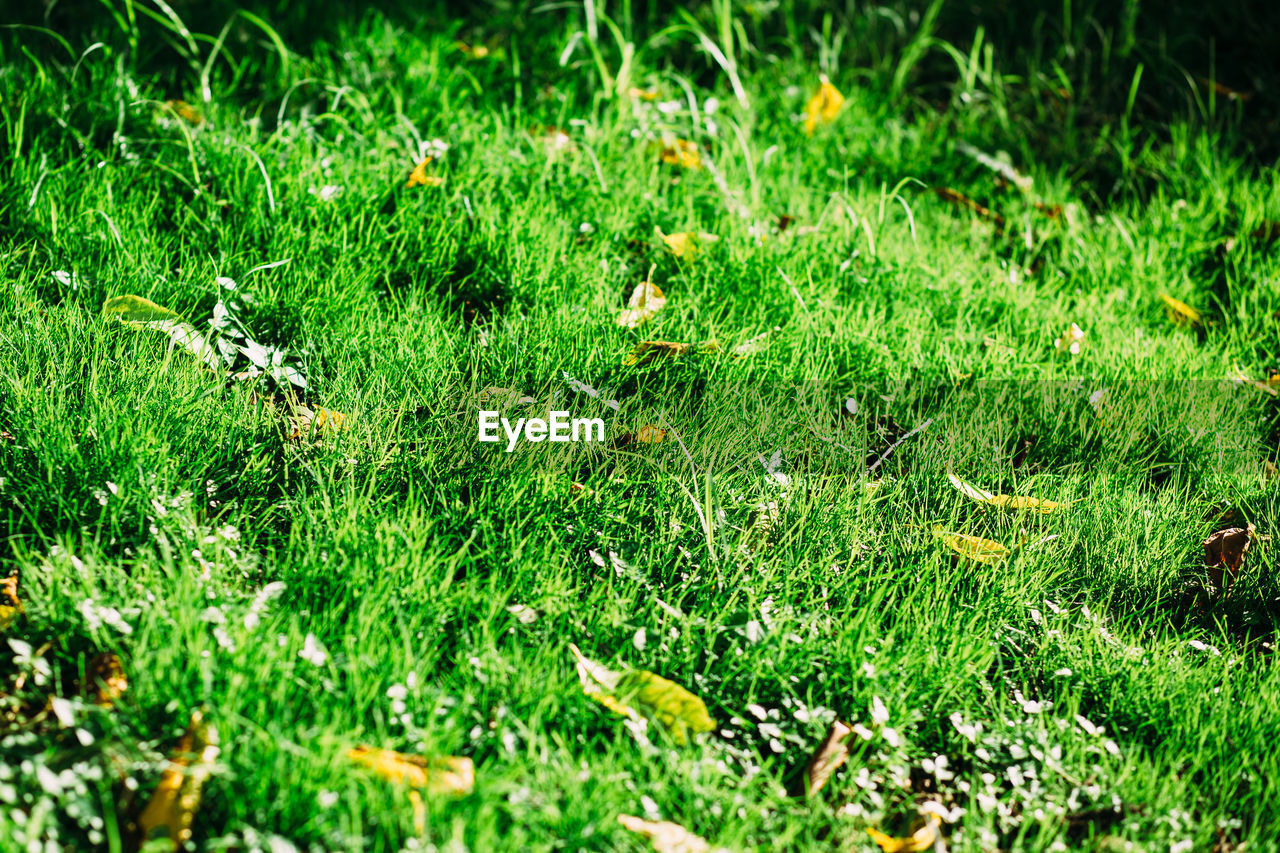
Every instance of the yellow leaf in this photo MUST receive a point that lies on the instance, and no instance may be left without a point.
(642, 695)
(172, 807)
(647, 351)
(643, 94)
(320, 422)
(922, 839)
(665, 836)
(646, 300)
(136, 309)
(10, 604)
(449, 774)
(1180, 312)
(823, 106)
(1005, 501)
(973, 547)
(829, 757)
(686, 244)
(420, 178)
(186, 112)
(681, 152)
(105, 679)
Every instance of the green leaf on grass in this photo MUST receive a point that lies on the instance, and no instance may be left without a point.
(642, 695)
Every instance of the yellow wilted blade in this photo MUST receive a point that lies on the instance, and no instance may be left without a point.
(419, 176)
(823, 106)
(922, 839)
(665, 836)
(136, 309)
(1005, 501)
(973, 547)
(173, 806)
(646, 300)
(186, 112)
(681, 153)
(639, 694)
(1180, 312)
(448, 774)
(647, 351)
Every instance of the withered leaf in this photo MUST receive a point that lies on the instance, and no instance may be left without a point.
(667, 837)
(681, 152)
(973, 547)
(641, 695)
(10, 604)
(824, 106)
(961, 200)
(829, 757)
(172, 808)
(105, 679)
(419, 177)
(1015, 502)
(924, 838)
(647, 351)
(646, 300)
(448, 774)
(1180, 312)
(1224, 554)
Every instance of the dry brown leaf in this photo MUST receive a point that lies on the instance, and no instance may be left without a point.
(1180, 312)
(924, 838)
(681, 152)
(646, 434)
(961, 200)
(173, 806)
(829, 757)
(667, 837)
(647, 351)
(646, 300)
(1224, 555)
(105, 679)
(824, 106)
(1225, 91)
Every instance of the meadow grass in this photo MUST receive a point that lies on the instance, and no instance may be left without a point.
(393, 582)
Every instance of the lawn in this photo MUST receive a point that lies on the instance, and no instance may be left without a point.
(935, 349)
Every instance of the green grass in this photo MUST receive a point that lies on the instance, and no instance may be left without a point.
(148, 502)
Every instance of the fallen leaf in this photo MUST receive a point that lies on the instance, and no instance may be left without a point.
(973, 547)
(1225, 91)
(647, 351)
(554, 140)
(1224, 555)
(641, 695)
(479, 51)
(580, 491)
(666, 837)
(685, 244)
(1271, 386)
(643, 94)
(829, 757)
(922, 839)
(1180, 312)
(318, 422)
(961, 200)
(419, 177)
(186, 112)
(1005, 501)
(141, 313)
(646, 300)
(173, 806)
(105, 679)
(824, 106)
(1070, 340)
(10, 604)
(681, 152)
(448, 774)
